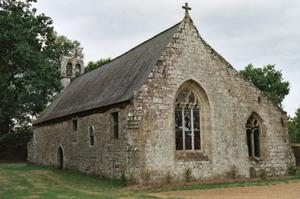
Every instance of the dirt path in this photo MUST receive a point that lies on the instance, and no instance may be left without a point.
(279, 191)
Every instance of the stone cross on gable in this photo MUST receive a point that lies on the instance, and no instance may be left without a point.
(186, 8)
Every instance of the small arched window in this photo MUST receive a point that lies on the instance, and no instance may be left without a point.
(253, 136)
(69, 70)
(187, 121)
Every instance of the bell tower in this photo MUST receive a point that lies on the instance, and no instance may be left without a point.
(71, 67)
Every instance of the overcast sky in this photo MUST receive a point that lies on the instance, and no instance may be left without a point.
(243, 31)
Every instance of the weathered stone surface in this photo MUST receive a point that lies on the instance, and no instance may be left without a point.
(76, 68)
(146, 148)
(106, 158)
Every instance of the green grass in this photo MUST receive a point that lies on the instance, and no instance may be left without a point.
(27, 181)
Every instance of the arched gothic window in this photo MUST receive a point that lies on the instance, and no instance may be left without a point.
(69, 70)
(253, 136)
(187, 121)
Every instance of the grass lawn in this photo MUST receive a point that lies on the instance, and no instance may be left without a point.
(27, 181)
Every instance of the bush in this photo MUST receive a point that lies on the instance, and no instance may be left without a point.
(147, 175)
(13, 146)
(294, 128)
(188, 175)
(292, 170)
(169, 178)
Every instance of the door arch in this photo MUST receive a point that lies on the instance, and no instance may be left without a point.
(60, 158)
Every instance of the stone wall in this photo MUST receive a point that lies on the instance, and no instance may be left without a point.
(108, 157)
(189, 60)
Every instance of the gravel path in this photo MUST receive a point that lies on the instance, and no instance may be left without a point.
(279, 191)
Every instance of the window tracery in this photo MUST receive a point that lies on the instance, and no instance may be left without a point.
(187, 121)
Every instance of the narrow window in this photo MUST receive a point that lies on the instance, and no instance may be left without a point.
(69, 70)
(187, 121)
(92, 135)
(75, 125)
(115, 126)
(253, 136)
(197, 138)
(188, 128)
(256, 144)
(178, 128)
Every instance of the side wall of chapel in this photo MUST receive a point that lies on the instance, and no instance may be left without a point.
(108, 156)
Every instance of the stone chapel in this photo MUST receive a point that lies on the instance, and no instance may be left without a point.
(169, 106)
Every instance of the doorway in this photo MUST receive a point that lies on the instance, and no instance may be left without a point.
(60, 158)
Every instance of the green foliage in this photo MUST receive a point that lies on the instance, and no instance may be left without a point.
(269, 81)
(66, 47)
(169, 178)
(93, 65)
(188, 175)
(292, 169)
(294, 128)
(28, 77)
(30, 53)
(232, 173)
(263, 174)
(147, 175)
(13, 146)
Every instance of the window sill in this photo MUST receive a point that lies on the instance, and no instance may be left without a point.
(255, 159)
(191, 156)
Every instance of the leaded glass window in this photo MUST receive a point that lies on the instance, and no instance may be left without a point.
(178, 128)
(187, 121)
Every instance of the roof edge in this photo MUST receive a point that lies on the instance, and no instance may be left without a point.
(101, 109)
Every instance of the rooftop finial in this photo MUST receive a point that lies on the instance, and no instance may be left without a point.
(186, 8)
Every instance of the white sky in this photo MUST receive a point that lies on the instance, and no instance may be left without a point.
(243, 31)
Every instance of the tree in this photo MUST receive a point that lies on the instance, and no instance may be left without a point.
(93, 65)
(66, 47)
(269, 81)
(294, 128)
(30, 53)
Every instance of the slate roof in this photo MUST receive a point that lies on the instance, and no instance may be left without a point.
(112, 83)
